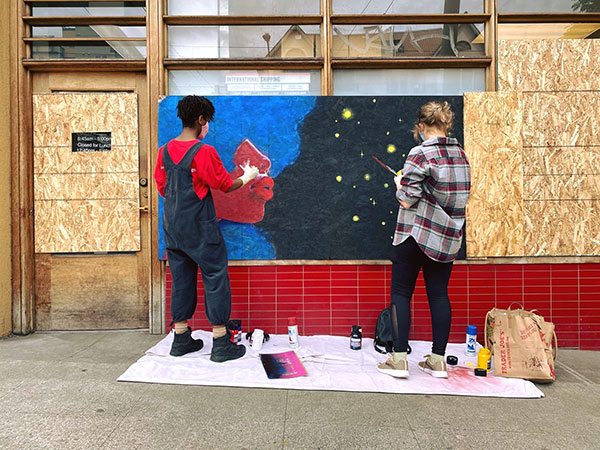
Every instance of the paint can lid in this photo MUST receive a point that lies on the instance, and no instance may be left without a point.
(471, 329)
(480, 372)
(451, 360)
(291, 321)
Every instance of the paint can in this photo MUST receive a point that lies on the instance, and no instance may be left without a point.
(235, 330)
(484, 359)
(256, 341)
(293, 332)
(356, 337)
(471, 340)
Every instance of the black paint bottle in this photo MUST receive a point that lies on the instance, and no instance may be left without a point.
(356, 337)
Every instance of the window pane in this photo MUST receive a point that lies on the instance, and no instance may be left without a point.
(92, 31)
(242, 7)
(548, 6)
(245, 82)
(408, 81)
(98, 50)
(245, 41)
(407, 6)
(389, 41)
(508, 31)
(83, 9)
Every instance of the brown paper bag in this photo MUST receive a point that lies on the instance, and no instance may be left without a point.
(521, 342)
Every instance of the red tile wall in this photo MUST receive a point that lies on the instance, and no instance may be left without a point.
(330, 299)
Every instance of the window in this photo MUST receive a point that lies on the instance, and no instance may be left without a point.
(244, 82)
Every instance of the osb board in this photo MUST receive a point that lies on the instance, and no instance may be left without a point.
(561, 119)
(62, 160)
(561, 161)
(56, 116)
(76, 226)
(549, 65)
(80, 186)
(566, 227)
(561, 187)
(88, 292)
(86, 201)
(492, 140)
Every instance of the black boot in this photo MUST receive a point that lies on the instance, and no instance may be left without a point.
(225, 350)
(184, 343)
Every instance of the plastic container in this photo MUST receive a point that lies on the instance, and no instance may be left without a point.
(293, 332)
(235, 329)
(256, 341)
(471, 340)
(356, 337)
(484, 359)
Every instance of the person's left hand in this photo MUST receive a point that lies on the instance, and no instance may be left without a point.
(398, 181)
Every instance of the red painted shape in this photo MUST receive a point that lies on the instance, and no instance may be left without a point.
(247, 204)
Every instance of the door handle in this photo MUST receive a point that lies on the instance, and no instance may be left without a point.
(143, 209)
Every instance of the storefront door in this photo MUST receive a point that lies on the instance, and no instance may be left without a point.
(91, 227)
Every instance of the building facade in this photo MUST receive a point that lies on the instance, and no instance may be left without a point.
(84, 250)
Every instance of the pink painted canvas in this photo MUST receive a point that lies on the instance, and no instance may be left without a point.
(282, 365)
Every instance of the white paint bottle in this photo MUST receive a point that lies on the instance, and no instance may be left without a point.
(292, 332)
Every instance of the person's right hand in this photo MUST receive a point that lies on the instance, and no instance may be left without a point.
(250, 173)
(398, 181)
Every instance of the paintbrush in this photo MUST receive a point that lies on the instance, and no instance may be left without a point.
(385, 166)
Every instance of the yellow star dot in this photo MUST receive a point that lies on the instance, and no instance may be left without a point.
(337, 135)
(356, 218)
(387, 133)
(374, 100)
(335, 120)
(385, 185)
(354, 187)
(391, 148)
(374, 203)
(383, 223)
(347, 114)
(362, 154)
(358, 122)
(400, 120)
(367, 176)
(338, 178)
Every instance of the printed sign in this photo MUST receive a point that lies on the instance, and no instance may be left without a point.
(91, 142)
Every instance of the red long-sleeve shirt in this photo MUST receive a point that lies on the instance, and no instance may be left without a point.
(207, 168)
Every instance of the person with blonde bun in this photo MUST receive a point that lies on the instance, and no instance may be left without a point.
(432, 191)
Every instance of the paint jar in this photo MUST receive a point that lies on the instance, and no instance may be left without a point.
(471, 340)
(484, 359)
(292, 332)
(256, 341)
(235, 330)
(356, 337)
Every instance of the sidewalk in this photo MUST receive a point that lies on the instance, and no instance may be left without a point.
(59, 390)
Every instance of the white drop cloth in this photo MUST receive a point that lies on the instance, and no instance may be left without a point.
(331, 365)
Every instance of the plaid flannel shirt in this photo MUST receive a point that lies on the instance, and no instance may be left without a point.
(436, 180)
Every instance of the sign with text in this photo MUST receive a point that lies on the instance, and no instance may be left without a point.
(91, 142)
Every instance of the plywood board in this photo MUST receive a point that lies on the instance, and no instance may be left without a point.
(561, 187)
(56, 116)
(561, 119)
(86, 226)
(122, 158)
(492, 140)
(89, 292)
(549, 65)
(561, 161)
(566, 227)
(81, 186)
(86, 201)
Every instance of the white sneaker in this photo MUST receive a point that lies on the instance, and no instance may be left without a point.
(395, 369)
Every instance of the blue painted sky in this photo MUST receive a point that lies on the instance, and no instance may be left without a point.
(270, 122)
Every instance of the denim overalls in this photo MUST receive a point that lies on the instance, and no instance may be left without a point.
(193, 239)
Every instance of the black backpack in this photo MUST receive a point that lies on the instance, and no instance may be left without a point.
(383, 342)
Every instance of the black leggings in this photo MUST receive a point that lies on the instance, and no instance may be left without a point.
(407, 261)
